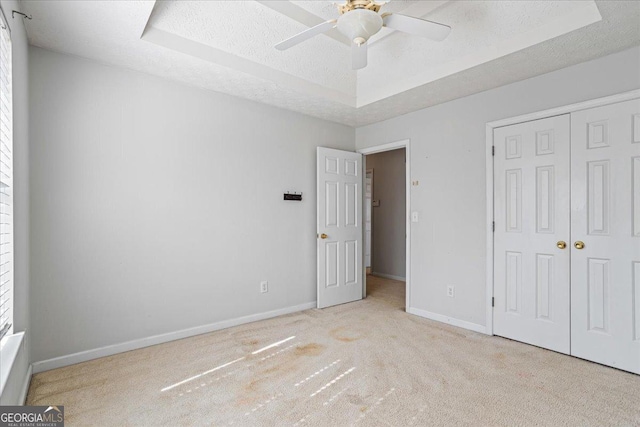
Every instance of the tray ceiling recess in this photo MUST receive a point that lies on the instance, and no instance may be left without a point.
(360, 20)
(229, 47)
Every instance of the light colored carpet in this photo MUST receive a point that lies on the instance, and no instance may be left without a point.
(366, 364)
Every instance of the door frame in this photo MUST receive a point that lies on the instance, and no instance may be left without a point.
(406, 144)
(366, 172)
(490, 126)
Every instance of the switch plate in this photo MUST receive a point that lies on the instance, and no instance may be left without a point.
(414, 216)
(451, 291)
(264, 286)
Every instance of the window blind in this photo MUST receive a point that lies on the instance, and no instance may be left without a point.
(6, 181)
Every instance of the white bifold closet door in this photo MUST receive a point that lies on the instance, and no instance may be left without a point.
(531, 212)
(582, 298)
(605, 218)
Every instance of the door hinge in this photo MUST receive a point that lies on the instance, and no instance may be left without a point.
(493, 150)
(493, 226)
(493, 301)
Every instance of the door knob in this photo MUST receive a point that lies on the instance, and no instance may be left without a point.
(323, 236)
(579, 245)
(561, 244)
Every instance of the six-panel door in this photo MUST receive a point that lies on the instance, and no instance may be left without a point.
(605, 228)
(339, 226)
(531, 211)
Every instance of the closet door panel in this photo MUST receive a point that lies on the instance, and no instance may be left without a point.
(531, 211)
(605, 228)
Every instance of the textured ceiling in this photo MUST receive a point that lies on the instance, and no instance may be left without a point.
(227, 46)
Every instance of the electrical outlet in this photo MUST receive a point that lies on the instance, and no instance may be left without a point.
(451, 291)
(264, 286)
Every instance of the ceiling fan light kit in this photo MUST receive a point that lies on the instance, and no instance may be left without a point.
(360, 20)
(359, 24)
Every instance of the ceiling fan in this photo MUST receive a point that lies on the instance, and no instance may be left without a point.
(360, 20)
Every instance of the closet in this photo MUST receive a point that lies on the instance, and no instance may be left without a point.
(567, 233)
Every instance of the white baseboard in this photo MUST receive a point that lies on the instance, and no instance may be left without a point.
(83, 356)
(25, 387)
(389, 276)
(449, 320)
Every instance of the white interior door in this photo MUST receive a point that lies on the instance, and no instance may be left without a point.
(368, 198)
(339, 228)
(605, 273)
(531, 211)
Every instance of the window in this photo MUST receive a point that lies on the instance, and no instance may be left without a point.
(6, 180)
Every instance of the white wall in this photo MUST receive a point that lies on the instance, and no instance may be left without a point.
(389, 219)
(448, 159)
(12, 393)
(158, 207)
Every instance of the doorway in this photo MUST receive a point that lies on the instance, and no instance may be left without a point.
(385, 217)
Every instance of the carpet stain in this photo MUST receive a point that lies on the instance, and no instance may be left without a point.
(338, 334)
(312, 349)
(253, 385)
(499, 360)
(244, 400)
(276, 368)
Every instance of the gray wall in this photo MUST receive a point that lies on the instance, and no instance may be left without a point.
(15, 384)
(448, 159)
(389, 219)
(158, 207)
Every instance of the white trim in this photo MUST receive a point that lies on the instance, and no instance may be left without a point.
(449, 320)
(489, 243)
(567, 109)
(11, 346)
(389, 276)
(385, 147)
(364, 226)
(406, 144)
(25, 387)
(83, 356)
(407, 268)
(572, 108)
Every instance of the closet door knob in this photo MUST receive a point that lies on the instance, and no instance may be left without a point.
(579, 245)
(561, 244)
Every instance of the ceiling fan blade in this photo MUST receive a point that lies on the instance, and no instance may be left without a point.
(358, 56)
(306, 35)
(417, 26)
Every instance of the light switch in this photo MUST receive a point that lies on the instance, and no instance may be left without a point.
(414, 216)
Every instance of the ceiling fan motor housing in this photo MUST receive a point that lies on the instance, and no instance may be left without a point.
(359, 24)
